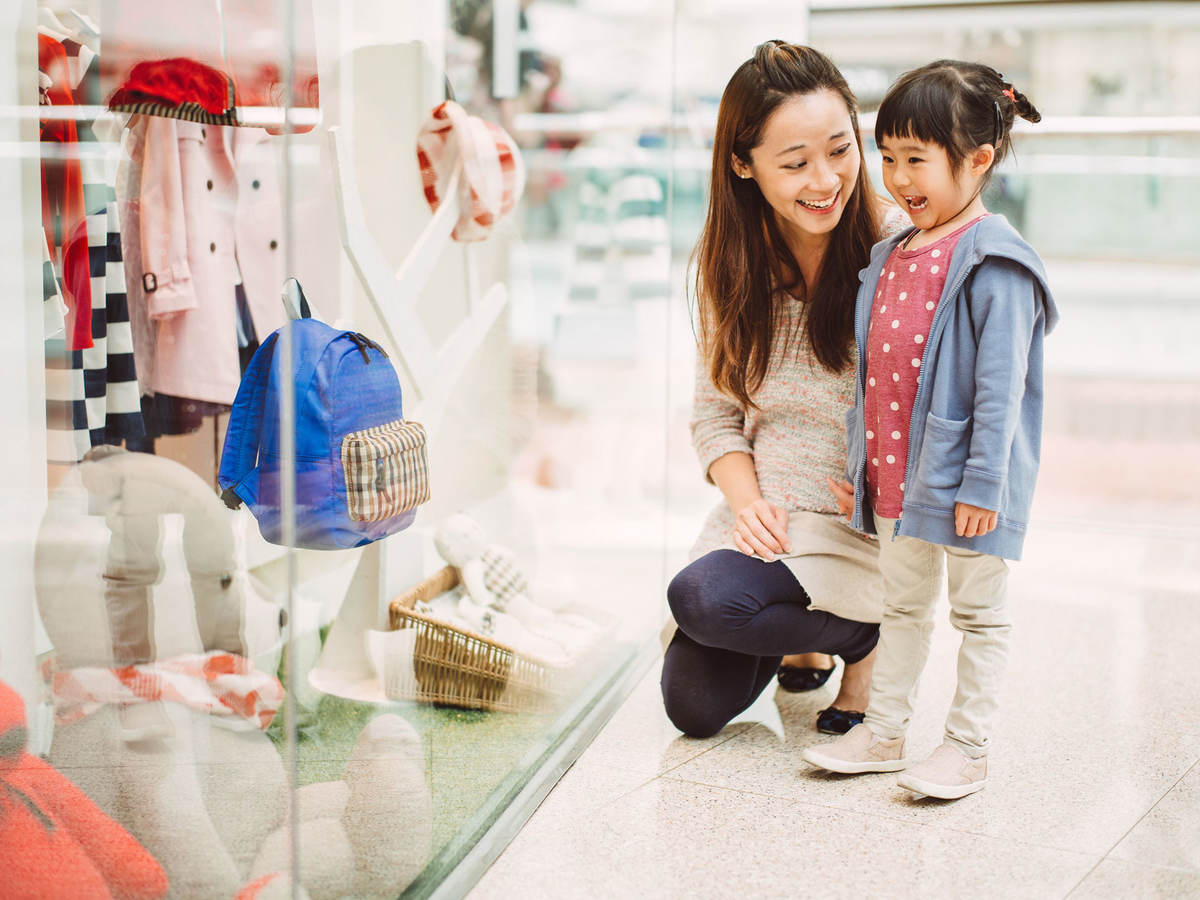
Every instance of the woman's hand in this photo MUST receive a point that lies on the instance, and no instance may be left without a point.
(760, 529)
(843, 491)
(973, 521)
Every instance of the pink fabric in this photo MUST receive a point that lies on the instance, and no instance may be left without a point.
(194, 239)
(493, 172)
(901, 313)
(218, 682)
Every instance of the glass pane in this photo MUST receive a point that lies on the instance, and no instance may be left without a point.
(147, 206)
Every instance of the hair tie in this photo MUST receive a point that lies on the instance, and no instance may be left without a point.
(1010, 94)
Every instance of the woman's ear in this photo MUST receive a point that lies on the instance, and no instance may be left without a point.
(981, 160)
(740, 169)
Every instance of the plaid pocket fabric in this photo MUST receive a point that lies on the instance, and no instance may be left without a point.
(387, 471)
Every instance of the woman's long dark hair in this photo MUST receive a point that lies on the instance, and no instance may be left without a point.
(742, 260)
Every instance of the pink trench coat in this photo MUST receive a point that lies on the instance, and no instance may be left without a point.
(209, 208)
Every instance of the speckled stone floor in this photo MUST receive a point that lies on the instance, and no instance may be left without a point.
(1094, 785)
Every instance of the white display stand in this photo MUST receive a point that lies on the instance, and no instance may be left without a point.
(432, 372)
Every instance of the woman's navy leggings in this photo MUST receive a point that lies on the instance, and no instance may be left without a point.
(737, 617)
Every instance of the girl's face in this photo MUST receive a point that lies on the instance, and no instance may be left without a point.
(806, 165)
(919, 177)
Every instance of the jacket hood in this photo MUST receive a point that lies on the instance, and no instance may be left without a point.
(993, 236)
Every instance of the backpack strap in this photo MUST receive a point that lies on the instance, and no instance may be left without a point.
(240, 453)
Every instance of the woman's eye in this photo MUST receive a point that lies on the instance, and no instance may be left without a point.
(840, 150)
(799, 165)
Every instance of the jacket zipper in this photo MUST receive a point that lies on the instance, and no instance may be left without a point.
(938, 315)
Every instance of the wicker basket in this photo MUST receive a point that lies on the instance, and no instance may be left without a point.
(454, 667)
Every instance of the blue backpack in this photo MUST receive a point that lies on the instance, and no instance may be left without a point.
(361, 469)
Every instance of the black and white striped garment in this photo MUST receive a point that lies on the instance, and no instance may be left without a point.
(102, 378)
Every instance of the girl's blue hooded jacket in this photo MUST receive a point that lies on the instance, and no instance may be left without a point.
(976, 428)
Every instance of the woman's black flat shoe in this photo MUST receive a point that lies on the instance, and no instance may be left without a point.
(797, 679)
(837, 721)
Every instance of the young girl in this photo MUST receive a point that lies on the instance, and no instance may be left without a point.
(945, 432)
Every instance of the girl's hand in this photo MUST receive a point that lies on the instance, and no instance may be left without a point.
(760, 529)
(973, 521)
(843, 491)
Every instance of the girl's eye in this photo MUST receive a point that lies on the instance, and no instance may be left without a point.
(887, 159)
(913, 160)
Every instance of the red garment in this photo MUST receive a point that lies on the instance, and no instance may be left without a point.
(176, 81)
(54, 841)
(905, 302)
(64, 215)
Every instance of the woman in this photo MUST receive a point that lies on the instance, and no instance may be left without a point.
(791, 220)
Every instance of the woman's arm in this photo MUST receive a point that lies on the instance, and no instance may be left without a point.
(726, 457)
(760, 527)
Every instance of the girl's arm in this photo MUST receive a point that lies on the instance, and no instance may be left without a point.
(1007, 310)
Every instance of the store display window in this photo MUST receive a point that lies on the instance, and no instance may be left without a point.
(329, 547)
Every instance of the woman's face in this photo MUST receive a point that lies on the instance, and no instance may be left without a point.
(807, 164)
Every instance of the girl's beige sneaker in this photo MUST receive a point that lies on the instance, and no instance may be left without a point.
(858, 750)
(948, 774)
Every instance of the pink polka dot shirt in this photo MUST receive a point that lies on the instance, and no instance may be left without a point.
(902, 311)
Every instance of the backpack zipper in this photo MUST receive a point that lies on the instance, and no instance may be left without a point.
(362, 342)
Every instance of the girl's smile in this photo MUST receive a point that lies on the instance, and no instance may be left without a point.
(918, 175)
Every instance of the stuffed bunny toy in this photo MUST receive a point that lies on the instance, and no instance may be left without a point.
(495, 594)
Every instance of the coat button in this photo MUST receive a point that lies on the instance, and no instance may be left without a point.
(210, 184)
(203, 132)
(274, 244)
(254, 184)
(212, 248)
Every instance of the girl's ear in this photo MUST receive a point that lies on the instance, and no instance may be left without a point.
(981, 160)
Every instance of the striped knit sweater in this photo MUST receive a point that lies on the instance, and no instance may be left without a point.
(797, 435)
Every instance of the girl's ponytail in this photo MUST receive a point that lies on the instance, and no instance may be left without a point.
(1021, 105)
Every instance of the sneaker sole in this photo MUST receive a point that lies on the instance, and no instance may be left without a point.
(939, 791)
(852, 767)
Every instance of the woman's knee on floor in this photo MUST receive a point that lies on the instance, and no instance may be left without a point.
(690, 711)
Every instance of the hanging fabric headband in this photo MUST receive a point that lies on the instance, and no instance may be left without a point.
(493, 172)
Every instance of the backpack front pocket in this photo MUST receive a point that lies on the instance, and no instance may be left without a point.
(387, 470)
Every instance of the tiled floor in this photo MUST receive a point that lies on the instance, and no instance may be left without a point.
(1095, 776)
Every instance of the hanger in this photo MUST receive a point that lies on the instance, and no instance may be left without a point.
(85, 25)
(50, 25)
(295, 304)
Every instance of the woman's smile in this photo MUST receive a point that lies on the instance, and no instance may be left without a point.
(821, 206)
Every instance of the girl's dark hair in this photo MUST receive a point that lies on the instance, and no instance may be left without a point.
(957, 105)
(742, 260)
